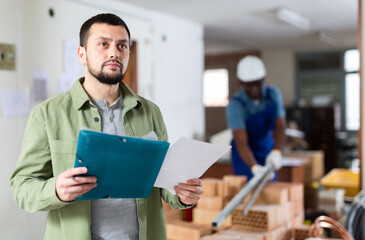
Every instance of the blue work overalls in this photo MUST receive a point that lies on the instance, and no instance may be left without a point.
(259, 127)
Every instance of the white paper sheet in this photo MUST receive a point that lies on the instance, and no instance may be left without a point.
(39, 85)
(186, 159)
(15, 102)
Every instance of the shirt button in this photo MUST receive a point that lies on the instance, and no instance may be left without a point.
(96, 119)
(110, 119)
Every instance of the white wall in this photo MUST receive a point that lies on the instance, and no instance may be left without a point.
(13, 221)
(179, 90)
(280, 67)
(169, 73)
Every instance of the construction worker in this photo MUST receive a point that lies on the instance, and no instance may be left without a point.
(257, 118)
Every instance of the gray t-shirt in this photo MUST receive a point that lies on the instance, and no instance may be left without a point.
(113, 219)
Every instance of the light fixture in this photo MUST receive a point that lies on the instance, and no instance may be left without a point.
(327, 38)
(293, 18)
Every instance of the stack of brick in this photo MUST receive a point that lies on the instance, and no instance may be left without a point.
(177, 229)
(313, 162)
(276, 211)
(217, 193)
(301, 232)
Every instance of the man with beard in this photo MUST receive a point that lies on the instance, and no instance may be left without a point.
(43, 179)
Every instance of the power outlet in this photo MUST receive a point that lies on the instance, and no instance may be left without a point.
(7, 56)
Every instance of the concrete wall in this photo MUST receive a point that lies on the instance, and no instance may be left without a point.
(170, 66)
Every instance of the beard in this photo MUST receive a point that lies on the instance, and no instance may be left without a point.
(104, 77)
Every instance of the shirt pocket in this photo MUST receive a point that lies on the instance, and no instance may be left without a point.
(63, 154)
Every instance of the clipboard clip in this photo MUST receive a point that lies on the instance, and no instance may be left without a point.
(122, 139)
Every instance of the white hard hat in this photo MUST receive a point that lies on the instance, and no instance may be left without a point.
(250, 68)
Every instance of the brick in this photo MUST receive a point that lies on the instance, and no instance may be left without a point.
(295, 190)
(262, 217)
(273, 195)
(210, 186)
(206, 217)
(235, 183)
(301, 232)
(211, 203)
(228, 192)
(220, 188)
(181, 230)
(282, 232)
(298, 219)
(297, 207)
(235, 233)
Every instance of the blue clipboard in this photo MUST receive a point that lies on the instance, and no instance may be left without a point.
(125, 167)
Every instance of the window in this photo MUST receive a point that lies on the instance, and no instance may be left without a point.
(326, 78)
(352, 86)
(215, 87)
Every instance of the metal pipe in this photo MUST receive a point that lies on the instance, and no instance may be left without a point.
(237, 199)
(255, 194)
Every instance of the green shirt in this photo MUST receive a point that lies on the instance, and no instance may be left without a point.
(49, 148)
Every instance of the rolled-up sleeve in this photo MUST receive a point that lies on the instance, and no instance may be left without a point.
(235, 115)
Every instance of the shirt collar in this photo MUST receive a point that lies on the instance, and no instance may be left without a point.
(246, 97)
(79, 96)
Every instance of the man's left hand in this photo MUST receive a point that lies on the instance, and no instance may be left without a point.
(190, 192)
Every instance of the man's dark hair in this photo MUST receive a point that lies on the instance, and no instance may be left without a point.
(107, 18)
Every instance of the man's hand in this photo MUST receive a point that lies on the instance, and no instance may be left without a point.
(69, 187)
(190, 192)
(275, 158)
(258, 169)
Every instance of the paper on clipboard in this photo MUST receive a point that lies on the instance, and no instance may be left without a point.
(186, 159)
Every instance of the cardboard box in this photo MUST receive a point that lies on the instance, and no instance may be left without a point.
(315, 168)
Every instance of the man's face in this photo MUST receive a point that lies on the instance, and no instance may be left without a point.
(106, 53)
(253, 89)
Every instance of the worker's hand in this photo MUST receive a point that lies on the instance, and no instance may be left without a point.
(275, 158)
(259, 170)
(69, 187)
(190, 192)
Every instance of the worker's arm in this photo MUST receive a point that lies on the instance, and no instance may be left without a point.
(240, 137)
(279, 133)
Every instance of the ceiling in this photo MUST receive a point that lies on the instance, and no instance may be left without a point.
(233, 25)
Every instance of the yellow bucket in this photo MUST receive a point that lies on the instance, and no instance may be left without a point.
(342, 178)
